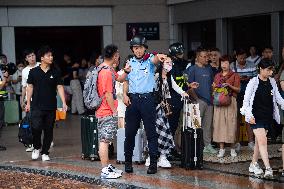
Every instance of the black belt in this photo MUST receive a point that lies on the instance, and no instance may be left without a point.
(143, 95)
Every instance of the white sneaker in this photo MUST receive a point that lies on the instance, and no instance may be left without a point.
(52, 144)
(221, 153)
(147, 163)
(30, 148)
(254, 168)
(251, 145)
(238, 147)
(233, 153)
(45, 157)
(163, 162)
(35, 154)
(268, 173)
(115, 169)
(108, 173)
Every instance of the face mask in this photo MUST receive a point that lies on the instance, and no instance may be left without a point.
(167, 67)
(20, 68)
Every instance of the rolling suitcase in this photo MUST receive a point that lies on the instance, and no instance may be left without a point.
(192, 149)
(191, 137)
(138, 152)
(11, 111)
(89, 138)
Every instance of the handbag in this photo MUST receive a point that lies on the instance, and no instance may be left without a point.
(167, 107)
(221, 97)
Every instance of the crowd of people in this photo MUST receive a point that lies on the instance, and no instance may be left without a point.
(148, 88)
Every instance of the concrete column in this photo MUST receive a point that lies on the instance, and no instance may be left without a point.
(173, 28)
(230, 37)
(275, 35)
(107, 35)
(222, 35)
(8, 43)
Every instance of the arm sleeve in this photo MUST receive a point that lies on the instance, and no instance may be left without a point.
(190, 74)
(59, 79)
(237, 81)
(176, 87)
(30, 79)
(24, 79)
(246, 110)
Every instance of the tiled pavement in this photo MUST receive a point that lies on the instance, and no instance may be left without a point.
(66, 167)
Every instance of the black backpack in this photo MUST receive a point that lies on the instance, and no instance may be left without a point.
(25, 131)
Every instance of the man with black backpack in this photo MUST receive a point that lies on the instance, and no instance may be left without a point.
(43, 82)
(107, 109)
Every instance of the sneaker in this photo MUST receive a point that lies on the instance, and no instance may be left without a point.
(209, 149)
(254, 168)
(45, 157)
(163, 162)
(251, 145)
(221, 153)
(108, 173)
(30, 148)
(115, 169)
(268, 173)
(238, 147)
(52, 144)
(152, 168)
(35, 154)
(233, 153)
(147, 163)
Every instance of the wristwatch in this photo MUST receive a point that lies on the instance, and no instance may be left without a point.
(127, 72)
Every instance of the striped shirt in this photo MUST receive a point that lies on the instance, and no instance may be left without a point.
(248, 70)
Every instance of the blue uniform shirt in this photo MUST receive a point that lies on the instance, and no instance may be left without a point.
(141, 78)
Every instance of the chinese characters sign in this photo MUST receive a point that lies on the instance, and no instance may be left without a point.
(149, 30)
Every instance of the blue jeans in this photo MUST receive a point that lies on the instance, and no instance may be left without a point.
(142, 107)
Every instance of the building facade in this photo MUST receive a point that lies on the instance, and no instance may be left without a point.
(226, 24)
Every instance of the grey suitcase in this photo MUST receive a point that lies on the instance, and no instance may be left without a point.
(138, 152)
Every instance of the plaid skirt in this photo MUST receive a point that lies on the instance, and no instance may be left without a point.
(165, 137)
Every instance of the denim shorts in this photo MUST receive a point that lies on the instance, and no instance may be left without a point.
(107, 128)
(261, 125)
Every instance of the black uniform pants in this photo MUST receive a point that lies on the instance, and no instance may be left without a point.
(142, 107)
(42, 120)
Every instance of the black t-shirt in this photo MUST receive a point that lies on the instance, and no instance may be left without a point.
(44, 88)
(262, 108)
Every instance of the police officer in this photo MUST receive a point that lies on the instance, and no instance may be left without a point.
(176, 51)
(139, 99)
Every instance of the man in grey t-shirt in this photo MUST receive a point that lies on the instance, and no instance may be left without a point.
(202, 73)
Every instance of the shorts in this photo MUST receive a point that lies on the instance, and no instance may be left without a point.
(261, 125)
(107, 128)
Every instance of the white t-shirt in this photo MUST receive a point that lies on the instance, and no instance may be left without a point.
(25, 74)
(254, 60)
